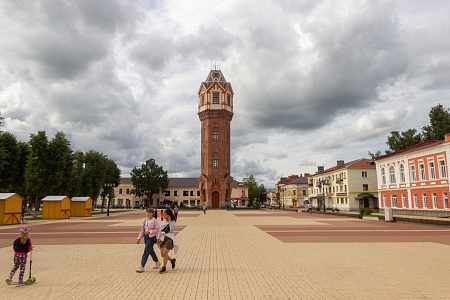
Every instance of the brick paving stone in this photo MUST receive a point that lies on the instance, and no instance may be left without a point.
(236, 255)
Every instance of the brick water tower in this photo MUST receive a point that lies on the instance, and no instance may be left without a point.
(215, 110)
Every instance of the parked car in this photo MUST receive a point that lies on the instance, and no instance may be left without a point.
(137, 206)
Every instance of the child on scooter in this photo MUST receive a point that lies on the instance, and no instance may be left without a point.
(22, 245)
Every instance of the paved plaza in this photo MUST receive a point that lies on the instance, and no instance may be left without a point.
(255, 254)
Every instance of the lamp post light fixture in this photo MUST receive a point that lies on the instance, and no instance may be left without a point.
(108, 187)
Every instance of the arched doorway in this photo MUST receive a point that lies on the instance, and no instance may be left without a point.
(215, 200)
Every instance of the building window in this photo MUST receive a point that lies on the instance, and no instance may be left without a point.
(394, 200)
(176, 193)
(422, 171)
(402, 173)
(442, 170)
(434, 198)
(412, 173)
(416, 204)
(203, 99)
(383, 176)
(403, 201)
(120, 191)
(128, 191)
(445, 197)
(392, 174)
(365, 187)
(198, 193)
(167, 193)
(229, 100)
(215, 159)
(364, 174)
(185, 193)
(215, 98)
(384, 200)
(215, 133)
(424, 200)
(192, 193)
(431, 170)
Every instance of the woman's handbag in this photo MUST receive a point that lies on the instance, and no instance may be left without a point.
(166, 229)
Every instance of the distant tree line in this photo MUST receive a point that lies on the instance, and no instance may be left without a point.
(438, 128)
(45, 167)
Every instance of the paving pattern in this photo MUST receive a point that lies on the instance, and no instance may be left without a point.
(260, 254)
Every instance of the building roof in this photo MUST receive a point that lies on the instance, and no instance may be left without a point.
(54, 198)
(358, 163)
(416, 147)
(80, 199)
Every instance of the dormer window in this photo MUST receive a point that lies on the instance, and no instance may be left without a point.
(215, 98)
(216, 75)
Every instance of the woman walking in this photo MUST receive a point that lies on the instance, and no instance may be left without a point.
(166, 238)
(148, 231)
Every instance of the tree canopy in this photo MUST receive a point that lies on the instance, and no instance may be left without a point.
(149, 179)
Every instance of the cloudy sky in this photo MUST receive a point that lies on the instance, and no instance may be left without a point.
(314, 81)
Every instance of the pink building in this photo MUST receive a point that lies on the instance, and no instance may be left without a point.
(415, 180)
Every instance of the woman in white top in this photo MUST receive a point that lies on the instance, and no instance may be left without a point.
(148, 231)
(166, 238)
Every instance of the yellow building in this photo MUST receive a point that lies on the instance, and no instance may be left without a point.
(56, 207)
(346, 186)
(10, 208)
(81, 207)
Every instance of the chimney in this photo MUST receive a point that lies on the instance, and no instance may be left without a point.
(340, 163)
(320, 169)
(447, 137)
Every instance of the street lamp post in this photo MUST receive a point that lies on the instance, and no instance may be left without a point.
(108, 187)
(322, 182)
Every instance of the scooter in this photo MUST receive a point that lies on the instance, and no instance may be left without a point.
(30, 279)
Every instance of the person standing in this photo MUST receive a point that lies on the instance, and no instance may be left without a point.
(175, 211)
(166, 238)
(309, 208)
(22, 245)
(148, 231)
(204, 208)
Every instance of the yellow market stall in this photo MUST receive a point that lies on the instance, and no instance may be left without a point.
(10, 208)
(56, 207)
(81, 207)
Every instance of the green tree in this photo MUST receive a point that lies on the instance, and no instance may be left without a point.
(149, 179)
(94, 174)
(13, 161)
(399, 141)
(439, 124)
(8, 160)
(77, 175)
(60, 165)
(36, 171)
(253, 189)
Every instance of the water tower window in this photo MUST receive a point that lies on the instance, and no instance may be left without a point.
(228, 100)
(216, 134)
(215, 98)
(215, 159)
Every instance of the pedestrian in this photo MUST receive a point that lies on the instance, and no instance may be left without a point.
(161, 215)
(204, 208)
(309, 208)
(166, 238)
(175, 211)
(22, 245)
(148, 231)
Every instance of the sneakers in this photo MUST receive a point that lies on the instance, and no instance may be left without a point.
(21, 283)
(140, 269)
(157, 264)
(163, 270)
(8, 280)
(173, 262)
